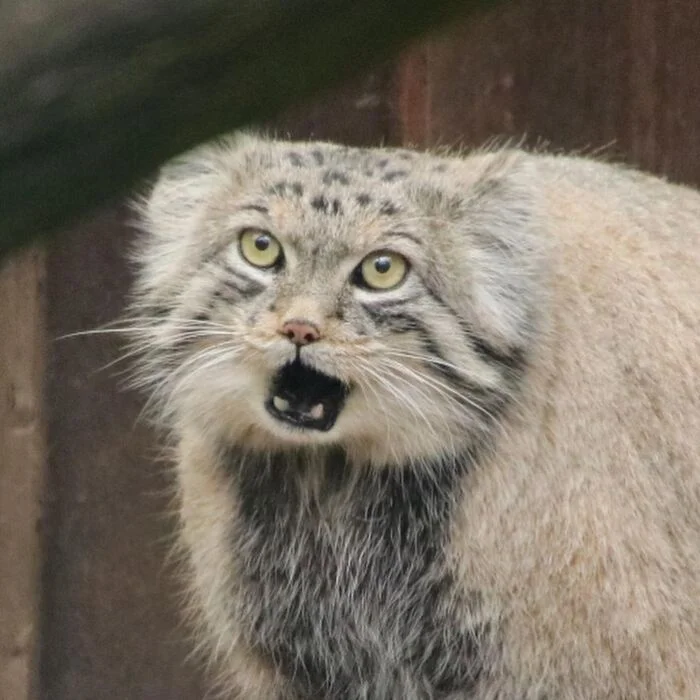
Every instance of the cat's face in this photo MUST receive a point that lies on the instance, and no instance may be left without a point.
(305, 295)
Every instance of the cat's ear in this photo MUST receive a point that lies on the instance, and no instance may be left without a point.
(172, 215)
(187, 182)
(495, 250)
(505, 251)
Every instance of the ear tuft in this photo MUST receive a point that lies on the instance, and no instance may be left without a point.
(171, 215)
(491, 246)
(505, 251)
(184, 184)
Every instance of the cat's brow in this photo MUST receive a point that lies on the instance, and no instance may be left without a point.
(254, 207)
(402, 234)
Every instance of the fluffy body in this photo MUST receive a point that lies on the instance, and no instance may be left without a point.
(508, 506)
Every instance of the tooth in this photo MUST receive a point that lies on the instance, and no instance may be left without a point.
(317, 411)
(280, 404)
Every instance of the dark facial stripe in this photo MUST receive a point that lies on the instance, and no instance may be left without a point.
(443, 365)
(386, 305)
(512, 360)
(403, 234)
(388, 208)
(385, 317)
(230, 290)
(404, 322)
(239, 284)
(255, 207)
(159, 311)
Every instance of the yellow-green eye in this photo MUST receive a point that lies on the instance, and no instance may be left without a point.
(260, 248)
(383, 270)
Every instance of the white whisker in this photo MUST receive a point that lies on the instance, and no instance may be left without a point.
(444, 389)
(402, 398)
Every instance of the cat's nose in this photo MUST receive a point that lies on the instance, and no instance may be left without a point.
(301, 332)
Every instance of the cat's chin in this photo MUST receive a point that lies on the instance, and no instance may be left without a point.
(303, 400)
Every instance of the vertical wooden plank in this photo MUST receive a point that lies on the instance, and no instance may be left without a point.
(678, 128)
(585, 74)
(412, 97)
(21, 467)
(541, 68)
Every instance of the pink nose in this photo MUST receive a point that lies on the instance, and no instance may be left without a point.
(301, 332)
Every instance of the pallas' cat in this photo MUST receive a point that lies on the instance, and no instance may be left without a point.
(436, 420)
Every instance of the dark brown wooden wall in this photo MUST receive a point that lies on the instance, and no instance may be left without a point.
(579, 74)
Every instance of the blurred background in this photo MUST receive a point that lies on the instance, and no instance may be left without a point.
(84, 526)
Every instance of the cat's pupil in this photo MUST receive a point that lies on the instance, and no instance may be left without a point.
(262, 243)
(382, 264)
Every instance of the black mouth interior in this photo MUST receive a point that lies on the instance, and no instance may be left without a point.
(306, 398)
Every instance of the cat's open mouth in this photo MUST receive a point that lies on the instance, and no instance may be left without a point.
(306, 398)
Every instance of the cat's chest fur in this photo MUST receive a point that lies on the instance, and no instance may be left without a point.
(347, 592)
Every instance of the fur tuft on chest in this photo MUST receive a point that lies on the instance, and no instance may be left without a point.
(345, 588)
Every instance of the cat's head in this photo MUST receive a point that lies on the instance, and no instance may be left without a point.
(307, 294)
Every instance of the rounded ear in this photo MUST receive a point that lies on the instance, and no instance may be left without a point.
(171, 215)
(505, 253)
(495, 251)
(186, 182)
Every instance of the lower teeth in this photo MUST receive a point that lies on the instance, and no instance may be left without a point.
(283, 405)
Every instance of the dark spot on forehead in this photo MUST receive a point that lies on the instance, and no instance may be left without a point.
(363, 199)
(440, 168)
(382, 163)
(279, 188)
(322, 204)
(331, 176)
(394, 175)
(297, 189)
(389, 208)
(406, 156)
(319, 203)
(318, 157)
(295, 159)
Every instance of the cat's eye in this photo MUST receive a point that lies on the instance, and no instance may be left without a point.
(382, 270)
(260, 248)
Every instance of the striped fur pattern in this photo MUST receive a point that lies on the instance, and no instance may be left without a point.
(508, 504)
